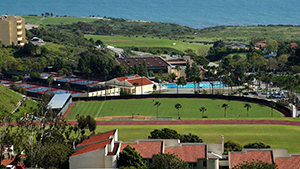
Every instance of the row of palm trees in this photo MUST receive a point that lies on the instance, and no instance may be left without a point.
(178, 106)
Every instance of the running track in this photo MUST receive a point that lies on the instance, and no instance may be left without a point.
(196, 122)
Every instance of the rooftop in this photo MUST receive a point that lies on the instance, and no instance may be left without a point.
(189, 153)
(288, 163)
(97, 138)
(92, 147)
(236, 158)
(146, 148)
(58, 101)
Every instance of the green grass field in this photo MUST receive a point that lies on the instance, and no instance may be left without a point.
(277, 136)
(190, 108)
(37, 20)
(121, 41)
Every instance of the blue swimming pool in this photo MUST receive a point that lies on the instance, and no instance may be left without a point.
(191, 85)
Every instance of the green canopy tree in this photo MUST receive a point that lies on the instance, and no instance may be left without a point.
(168, 161)
(181, 81)
(131, 158)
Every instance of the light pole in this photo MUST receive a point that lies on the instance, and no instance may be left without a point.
(159, 85)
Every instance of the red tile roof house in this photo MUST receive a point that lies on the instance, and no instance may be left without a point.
(126, 84)
(102, 150)
(155, 64)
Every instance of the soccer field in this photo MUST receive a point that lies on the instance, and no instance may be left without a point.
(190, 108)
(277, 136)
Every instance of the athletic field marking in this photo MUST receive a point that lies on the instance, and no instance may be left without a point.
(97, 115)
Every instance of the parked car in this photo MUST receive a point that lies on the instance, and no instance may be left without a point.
(254, 93)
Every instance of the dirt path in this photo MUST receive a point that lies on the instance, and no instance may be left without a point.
(197, 122)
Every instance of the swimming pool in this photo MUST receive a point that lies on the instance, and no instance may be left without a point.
(191, 85)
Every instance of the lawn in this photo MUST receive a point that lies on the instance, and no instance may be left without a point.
(277, 136)
(37, 20)
(121, 41)
(190, 108)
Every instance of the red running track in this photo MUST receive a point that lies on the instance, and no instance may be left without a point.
(188, 122)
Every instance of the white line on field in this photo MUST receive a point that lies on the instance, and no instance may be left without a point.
(97, 115)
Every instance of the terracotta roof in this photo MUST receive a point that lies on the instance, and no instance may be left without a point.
(146, 148)
(121, 79)
(92, 147)
(97, 138)
(188, 153)
(150, 61)
(7, 161)
(288, 163)
(140, 82)
(294, 45)
(236, 158)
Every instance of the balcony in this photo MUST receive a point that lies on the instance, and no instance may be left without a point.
(19, 27)
(19, 33)
(19, 38)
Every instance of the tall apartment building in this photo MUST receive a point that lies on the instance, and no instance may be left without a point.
(12, 30)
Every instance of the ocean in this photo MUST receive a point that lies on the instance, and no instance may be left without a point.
(192, 13)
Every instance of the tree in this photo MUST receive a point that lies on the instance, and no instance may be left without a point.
(247, 106)
(154, 87)
(178, 106)
(225, 106)
(157, 104)
(272, 46)
(135, 84)
(35, 75)
(50, 80)
(181, 81)
(255, 165)
(202, 109)
(131, 158)
(173, 134)
(257, 145)
(231, 146)
(168, 161)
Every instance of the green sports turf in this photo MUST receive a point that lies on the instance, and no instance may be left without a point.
(190, 108)
(277, 136)
(121, 41)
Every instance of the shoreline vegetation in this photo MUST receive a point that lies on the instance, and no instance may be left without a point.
(161, 30)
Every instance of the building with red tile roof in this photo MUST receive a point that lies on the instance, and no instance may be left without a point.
(134, 84)
(288, 162)
(236, 158)
(155, 64)
(102, 150)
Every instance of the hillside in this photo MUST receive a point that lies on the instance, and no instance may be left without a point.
(9, 101)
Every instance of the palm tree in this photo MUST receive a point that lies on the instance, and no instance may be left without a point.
(272, 105)
(178, 106)
(247, 106)
(225, 106)
(202, 109)
(198, 80)
(135, 84)
(181, 81)
(157, 104)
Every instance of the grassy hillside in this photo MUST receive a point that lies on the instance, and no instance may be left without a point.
(37, 20)
(121, 41)
(9, 101)
(277, 136)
